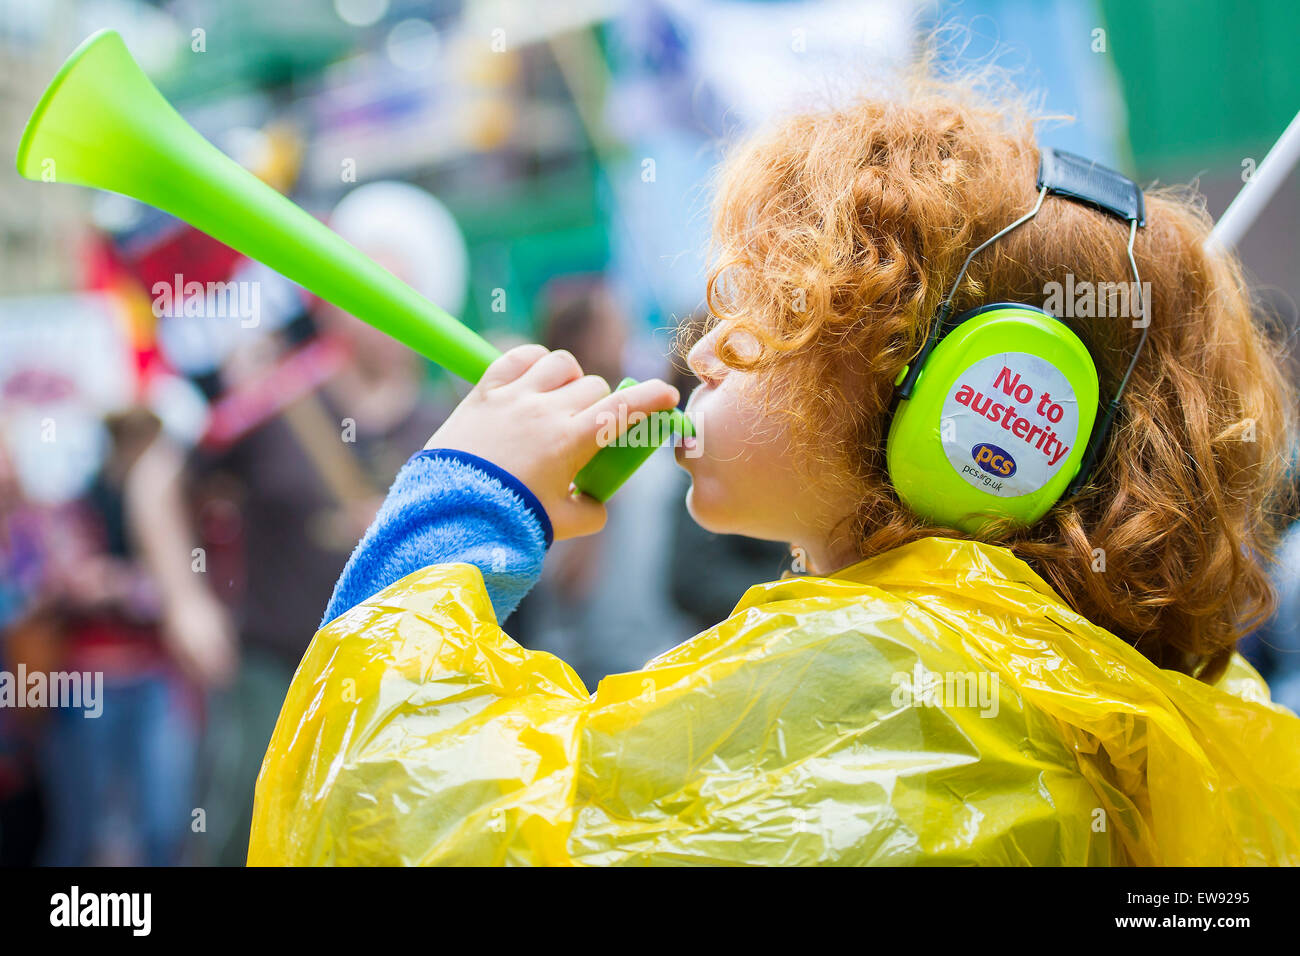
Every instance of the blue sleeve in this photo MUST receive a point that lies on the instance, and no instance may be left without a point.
(450, 506)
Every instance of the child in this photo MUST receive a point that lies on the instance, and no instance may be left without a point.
(1059, 693)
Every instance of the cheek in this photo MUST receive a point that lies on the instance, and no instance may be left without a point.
(740, 482)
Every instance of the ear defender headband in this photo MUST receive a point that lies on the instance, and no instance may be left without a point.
(994, 417)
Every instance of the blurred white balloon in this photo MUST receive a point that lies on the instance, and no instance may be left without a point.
(405, 225)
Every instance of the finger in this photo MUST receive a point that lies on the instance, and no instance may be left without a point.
(551, 371)
(583, 392)
(618, 408)
(511, 364)
(579, 514)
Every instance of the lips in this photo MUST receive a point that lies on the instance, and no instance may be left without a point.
(689, 442)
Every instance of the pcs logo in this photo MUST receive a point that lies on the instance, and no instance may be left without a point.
(994, 460)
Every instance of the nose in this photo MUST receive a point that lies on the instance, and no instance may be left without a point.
(703, 361)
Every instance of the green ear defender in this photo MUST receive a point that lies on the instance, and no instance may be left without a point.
(998, 420)
(996, 417)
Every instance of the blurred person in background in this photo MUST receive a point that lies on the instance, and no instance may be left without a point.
(580, 317)
(118, 783)
(21, 816)
(580, 610)
(296, 492)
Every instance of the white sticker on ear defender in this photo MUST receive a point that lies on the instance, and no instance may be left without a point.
(1009, 423)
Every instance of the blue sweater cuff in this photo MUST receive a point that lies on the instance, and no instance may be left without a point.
(448, 506)
(530, 500)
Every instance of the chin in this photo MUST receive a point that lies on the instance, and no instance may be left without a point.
(705, 511)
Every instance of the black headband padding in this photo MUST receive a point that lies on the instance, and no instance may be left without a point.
(1065, 174)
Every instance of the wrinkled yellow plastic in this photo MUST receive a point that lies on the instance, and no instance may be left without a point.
(416, 731)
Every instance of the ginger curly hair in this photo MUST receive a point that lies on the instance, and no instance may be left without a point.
(838, 232)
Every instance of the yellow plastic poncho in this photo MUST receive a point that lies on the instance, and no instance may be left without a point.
(936, 704)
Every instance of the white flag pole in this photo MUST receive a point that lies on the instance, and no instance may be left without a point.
(1257, 192)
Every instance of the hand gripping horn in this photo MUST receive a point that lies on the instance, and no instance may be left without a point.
(102, 123)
